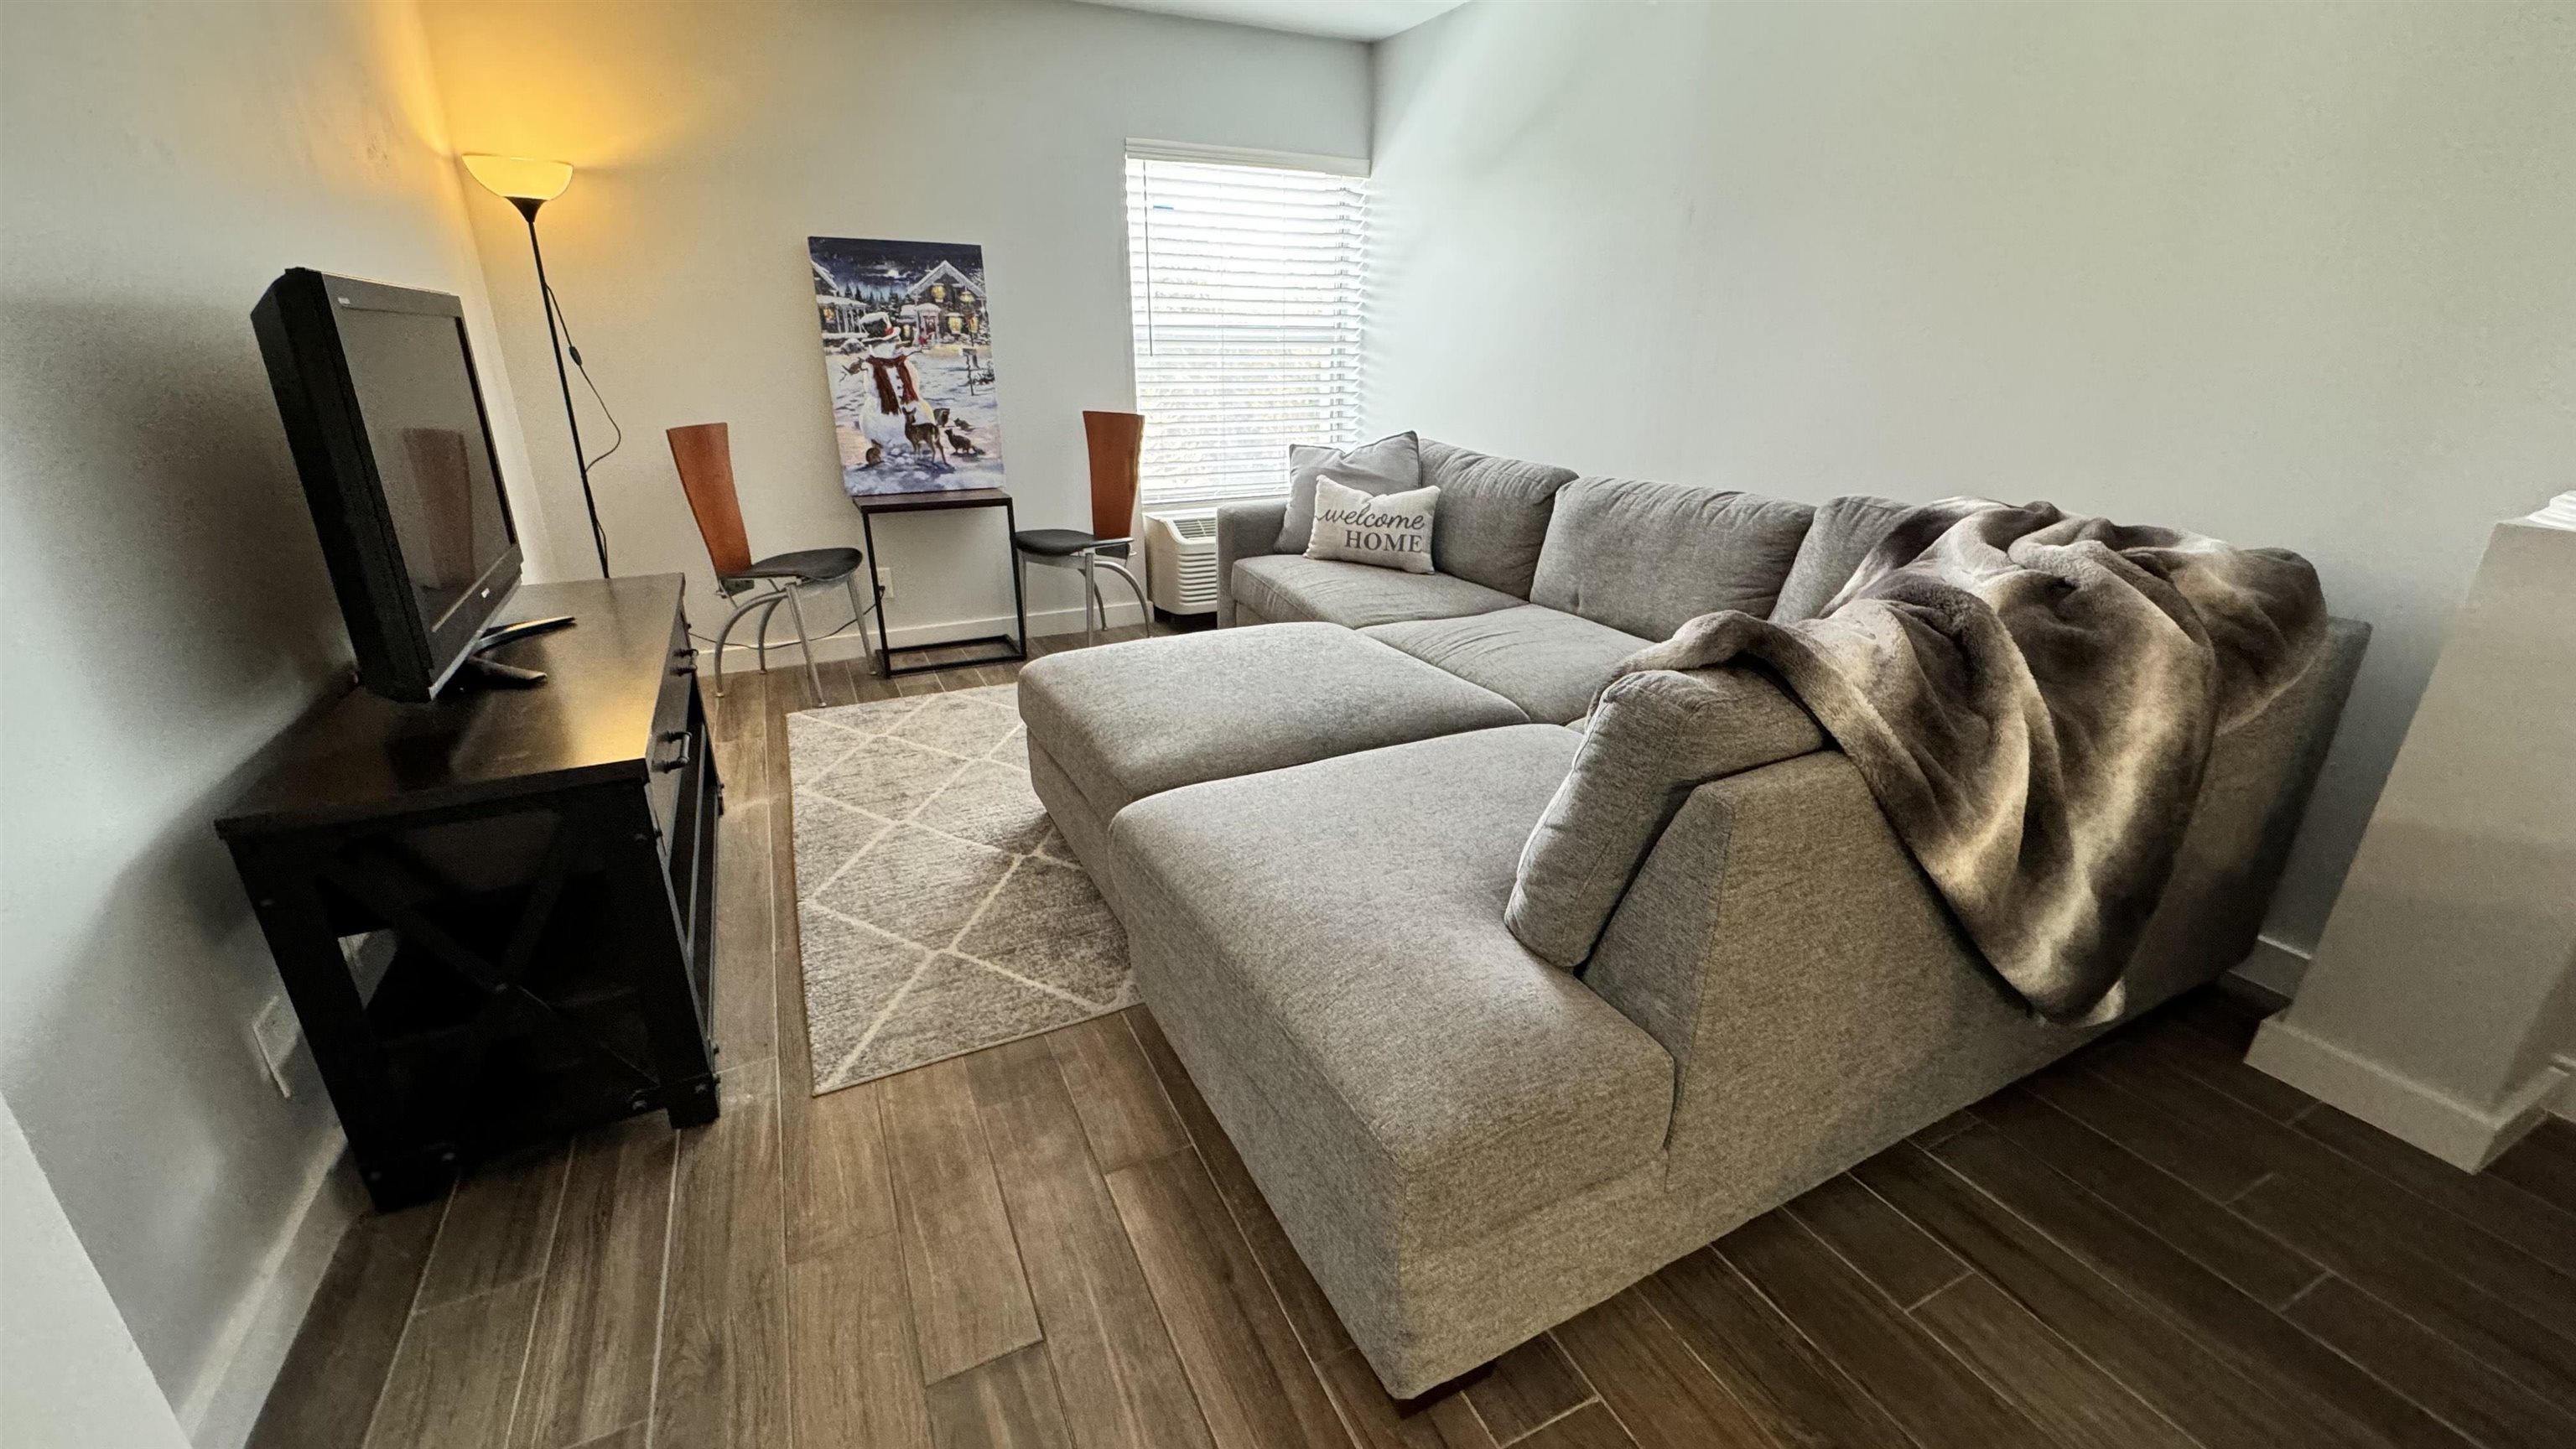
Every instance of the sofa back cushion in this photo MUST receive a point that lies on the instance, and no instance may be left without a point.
(1647, 557)
(1389, 465)
(1844, 532)
(1656, 736)
(1493, 514)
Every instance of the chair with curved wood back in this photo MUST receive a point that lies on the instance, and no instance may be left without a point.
(704, 454)
(1117, 444)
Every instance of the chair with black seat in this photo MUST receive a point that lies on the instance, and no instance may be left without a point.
(704, 454)
(1117, 443)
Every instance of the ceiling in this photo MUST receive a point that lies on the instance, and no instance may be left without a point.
(1340, 19)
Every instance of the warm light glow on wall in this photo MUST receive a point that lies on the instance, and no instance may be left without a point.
(519, 177)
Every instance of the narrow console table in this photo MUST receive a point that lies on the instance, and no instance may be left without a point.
(494, 912)
(932, 501)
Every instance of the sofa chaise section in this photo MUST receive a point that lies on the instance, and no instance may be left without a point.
(1409, 1085)
(1112, 724)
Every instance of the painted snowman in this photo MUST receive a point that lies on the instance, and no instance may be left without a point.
(891, 411)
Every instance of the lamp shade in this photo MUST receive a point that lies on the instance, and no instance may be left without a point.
(520, 178)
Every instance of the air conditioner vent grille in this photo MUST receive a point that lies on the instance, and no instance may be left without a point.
(1180, 560)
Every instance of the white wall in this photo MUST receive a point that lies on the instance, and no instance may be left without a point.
(70, 1374)
(2295, 275)
(159, 165)
(712, 139)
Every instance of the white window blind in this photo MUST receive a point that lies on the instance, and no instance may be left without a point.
(1244, 280)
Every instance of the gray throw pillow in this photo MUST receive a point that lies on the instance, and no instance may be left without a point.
(1386, 530)
(1654, 737)
(1389, 465)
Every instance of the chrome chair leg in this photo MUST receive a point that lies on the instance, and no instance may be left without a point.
(727, 632)
(1090, 597)
(805, 641)
(1144, 610)
(773, 600)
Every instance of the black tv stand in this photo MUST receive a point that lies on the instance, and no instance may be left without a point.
(509, 676)
(537, 869)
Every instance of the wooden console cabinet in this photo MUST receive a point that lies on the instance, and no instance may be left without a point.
(494, 912)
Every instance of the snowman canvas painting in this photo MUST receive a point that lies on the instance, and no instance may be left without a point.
(908, 351)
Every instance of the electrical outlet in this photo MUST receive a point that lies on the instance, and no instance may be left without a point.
(278, 1034)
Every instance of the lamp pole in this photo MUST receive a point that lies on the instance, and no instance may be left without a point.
(527, 206)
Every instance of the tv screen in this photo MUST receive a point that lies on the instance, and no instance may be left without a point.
(425, 428)
(376, 386)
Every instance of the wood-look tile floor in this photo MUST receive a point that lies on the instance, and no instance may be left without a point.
(1052, 1243)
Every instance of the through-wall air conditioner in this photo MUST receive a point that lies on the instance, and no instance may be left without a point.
(1180, 560)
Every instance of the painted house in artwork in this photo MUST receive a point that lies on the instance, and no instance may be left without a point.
(948, 303)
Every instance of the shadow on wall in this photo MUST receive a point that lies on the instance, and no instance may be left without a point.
(163, 982)
(176, 617)
(157, 482)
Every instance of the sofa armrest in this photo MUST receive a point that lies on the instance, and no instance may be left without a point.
(1653, 738)
(1816, 998)
(1243, 530)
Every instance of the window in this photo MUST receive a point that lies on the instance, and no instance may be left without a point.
(1244, 278)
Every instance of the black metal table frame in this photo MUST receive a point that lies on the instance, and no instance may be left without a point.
(931, 502)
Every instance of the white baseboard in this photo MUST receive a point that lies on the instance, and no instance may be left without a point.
(223, 1406)
(2460, 1133)
(852, 644)
(2274, 965)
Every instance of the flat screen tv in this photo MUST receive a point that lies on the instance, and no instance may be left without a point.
(377, 388)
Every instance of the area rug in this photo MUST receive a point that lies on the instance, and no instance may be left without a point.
(939, 909)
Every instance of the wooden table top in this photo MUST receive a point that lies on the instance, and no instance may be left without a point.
(364, 755)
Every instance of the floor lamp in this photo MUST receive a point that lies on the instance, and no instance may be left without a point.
(527, 185)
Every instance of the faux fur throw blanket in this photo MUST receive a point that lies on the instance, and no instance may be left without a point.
(2032, 698)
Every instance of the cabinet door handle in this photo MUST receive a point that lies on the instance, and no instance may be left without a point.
(687, 743)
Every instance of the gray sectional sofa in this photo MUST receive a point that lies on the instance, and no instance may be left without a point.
(1310, 823)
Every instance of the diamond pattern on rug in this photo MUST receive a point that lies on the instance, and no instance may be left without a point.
(829, 830)
(814, 747)
(958, 723)
(885, 776)
(955, 1005)
(919, 884)
(941, 910)
(991, 805)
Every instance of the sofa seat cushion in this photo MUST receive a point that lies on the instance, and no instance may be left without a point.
(1328, 941)
(1286, 588)
(1548, 662)
(1649, 557)
(1137, 718)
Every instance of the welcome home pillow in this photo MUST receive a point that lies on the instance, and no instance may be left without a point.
(1389, 465)
(1389, 530)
